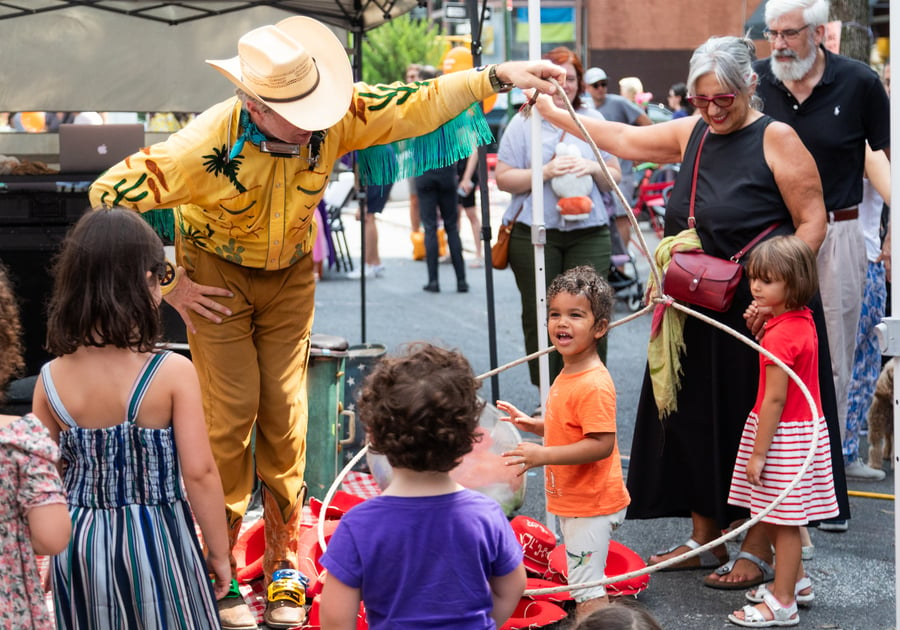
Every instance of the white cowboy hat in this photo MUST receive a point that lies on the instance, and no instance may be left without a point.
(297, 67)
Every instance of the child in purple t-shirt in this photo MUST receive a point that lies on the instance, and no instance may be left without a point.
(427, 553)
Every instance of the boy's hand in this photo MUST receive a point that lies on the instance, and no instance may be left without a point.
(526, 455)
(520, 420)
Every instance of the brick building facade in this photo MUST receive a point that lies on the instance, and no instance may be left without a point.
(654, 39)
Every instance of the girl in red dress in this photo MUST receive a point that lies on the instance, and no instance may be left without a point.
(781, 428)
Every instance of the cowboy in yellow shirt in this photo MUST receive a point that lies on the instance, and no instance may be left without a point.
(244, 179)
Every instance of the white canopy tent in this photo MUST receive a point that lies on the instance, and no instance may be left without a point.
(139, 55)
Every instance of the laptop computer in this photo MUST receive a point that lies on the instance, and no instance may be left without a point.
(91, 149)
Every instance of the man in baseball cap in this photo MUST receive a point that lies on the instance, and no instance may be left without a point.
(243, 180)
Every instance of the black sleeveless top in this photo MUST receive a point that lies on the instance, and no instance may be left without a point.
(737, 197)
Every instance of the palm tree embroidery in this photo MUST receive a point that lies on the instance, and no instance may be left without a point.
(218, 163)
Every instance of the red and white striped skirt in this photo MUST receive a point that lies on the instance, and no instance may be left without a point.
(813, 499)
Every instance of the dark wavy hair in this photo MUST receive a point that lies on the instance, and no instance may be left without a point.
(11, 362)
(584, 280)
(790, 259)
(101, 296)
(420, 409)
(561, 55)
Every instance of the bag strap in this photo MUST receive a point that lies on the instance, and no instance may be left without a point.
(692, 222)
(516, 215)
(756, 240)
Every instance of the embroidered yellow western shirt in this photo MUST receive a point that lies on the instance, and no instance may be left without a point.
(256, 210)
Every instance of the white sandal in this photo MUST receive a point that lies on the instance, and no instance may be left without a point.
(757, 594)
(781, 616)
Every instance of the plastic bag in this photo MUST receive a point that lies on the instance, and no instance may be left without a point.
(484, 469)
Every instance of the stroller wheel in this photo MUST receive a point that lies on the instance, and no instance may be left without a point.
(634, 302)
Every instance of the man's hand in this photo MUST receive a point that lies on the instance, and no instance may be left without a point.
(189, 296)
(532, 74)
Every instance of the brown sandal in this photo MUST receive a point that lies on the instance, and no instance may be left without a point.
(706, 559)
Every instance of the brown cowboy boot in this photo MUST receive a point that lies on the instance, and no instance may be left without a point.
(286, 591)
(234, 613)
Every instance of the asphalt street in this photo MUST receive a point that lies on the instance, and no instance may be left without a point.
(853, 572)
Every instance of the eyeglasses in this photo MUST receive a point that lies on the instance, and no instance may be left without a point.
(598, 84)
(721, 100)
(788, 34)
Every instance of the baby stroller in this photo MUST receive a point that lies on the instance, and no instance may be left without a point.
(626, 284)
(623, 272)
(653, 190)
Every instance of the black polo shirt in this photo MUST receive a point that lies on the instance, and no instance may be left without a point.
(847, 107)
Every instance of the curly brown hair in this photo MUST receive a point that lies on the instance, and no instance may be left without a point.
(584, 280)
(100, 292)
(11, 361)
(420, 408)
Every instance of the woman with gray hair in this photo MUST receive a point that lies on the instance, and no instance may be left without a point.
(752, 172)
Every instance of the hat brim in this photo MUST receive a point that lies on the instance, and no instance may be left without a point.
(531, 613)
(330, 100)
(535, 567)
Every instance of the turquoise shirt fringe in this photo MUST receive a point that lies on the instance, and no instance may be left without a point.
(453, 141)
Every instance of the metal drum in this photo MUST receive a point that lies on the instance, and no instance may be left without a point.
(325, 393)
(361, 359)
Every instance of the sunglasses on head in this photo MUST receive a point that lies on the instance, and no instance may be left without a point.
(598, 84)
(721, 100)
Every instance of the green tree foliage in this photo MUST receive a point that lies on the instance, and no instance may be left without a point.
(389, 48)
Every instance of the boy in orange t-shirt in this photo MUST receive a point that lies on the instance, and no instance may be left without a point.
(580, 454)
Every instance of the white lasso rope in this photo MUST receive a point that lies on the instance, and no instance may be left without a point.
(658, 298)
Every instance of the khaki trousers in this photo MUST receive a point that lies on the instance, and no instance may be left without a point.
(252, 370)
(842, 266)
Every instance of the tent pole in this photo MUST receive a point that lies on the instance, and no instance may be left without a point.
(361, 199)
(476, 18)
(891, 325)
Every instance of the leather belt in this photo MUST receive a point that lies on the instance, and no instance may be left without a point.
(844, 214)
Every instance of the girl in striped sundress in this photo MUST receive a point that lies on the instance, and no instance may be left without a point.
(129, 422)
(779, 431)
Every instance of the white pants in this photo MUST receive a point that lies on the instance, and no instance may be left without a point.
(842, 276)
(587, 544)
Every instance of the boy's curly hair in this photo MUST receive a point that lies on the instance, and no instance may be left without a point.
(420, 409)
(585, 280)
(11, 361)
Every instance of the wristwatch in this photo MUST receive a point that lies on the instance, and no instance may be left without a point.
(496, 83)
